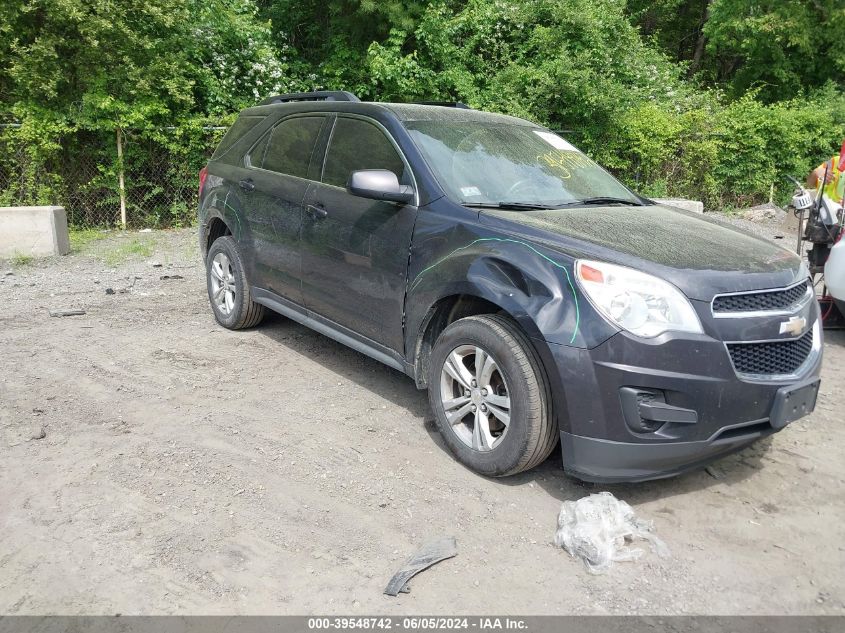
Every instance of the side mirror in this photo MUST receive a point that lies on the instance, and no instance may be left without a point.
(378, 184)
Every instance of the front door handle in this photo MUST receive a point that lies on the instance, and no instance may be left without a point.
(317, 212)
(247, 184)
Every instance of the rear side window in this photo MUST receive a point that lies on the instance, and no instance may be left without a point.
(256, 155)
(291, 145)
(239, 128)
(355, 145)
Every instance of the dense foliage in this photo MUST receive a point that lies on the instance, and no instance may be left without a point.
(713, 99)
(780, 47)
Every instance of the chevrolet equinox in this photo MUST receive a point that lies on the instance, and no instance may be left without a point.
(536, 297)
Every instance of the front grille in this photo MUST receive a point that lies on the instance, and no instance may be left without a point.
(760, 301)
(773, 358)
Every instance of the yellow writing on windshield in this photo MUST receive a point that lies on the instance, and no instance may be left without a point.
(565, 161)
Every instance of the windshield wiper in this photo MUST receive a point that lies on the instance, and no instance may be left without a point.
(606, 200)
(529, 206)
(519, 206)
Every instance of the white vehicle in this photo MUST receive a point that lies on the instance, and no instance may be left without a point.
(834, 274)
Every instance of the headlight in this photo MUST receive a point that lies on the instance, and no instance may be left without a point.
(641, 304)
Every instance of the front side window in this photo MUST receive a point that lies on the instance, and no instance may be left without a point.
(356, 145)
(492, 163)
(290, 146)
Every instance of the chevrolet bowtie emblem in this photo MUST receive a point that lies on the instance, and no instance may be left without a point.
(794, 326)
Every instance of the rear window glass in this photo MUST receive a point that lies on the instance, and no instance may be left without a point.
(239, 128)
(291, 145)
(356, 145)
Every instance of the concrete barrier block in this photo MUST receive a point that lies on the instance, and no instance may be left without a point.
(33, 231)
(696, 206)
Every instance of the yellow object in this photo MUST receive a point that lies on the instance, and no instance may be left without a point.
(835, 189)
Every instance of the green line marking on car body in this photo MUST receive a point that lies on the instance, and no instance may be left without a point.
(235, 212)
(526, 245)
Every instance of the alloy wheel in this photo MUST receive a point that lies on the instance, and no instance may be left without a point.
(223, 283)
(475, 397)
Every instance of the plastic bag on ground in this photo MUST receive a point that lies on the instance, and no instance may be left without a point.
(599, 529)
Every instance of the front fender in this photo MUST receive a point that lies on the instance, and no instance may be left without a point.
(532, 283)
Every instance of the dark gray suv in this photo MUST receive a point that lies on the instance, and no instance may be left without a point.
(535, 297)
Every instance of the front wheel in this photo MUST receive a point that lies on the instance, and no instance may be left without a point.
(228, 289)
(489, 396)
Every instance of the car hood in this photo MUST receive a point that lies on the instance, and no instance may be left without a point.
(700, 255)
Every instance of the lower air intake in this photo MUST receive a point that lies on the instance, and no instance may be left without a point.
(772, 358)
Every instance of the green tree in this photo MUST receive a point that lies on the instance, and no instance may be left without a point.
(714, 99)
(569, 64)
(75, 71)
(783, 47)
(677, 26)
(137, 61)
(328, 39)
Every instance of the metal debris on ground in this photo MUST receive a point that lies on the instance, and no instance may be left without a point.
(715, 474)
(430, 554)
(122, 291)
(599, 529)
(64, 313)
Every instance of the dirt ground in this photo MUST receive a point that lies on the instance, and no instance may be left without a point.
(186, 469)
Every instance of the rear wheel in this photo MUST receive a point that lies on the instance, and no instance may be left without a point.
(490, 397)
(228, 289)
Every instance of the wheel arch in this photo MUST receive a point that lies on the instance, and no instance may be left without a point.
(504, 277)
(489, 276)
(452, 307)
(215, 227)
(531, 282)
(220, 214)
(439, 316)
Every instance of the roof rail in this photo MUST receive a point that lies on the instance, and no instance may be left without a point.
(445, 104)
(319, 95)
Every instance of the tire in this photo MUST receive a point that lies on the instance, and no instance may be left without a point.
(492, 448)
(228, 288)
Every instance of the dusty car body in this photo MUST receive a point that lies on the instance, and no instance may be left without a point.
(388, 277)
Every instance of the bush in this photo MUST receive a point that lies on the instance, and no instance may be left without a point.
(726, 154)
(175, 66)
(78, 169)
(581, 66)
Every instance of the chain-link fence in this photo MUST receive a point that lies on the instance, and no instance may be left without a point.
(83, 171)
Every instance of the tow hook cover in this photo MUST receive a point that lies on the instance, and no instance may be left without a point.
(646, 410)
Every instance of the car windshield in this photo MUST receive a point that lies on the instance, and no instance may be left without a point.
(501, 164)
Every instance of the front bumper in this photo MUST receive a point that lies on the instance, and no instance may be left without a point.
(712, 411)
(604, 461)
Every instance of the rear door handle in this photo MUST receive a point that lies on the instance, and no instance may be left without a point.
(317, 212)
(247, 184)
